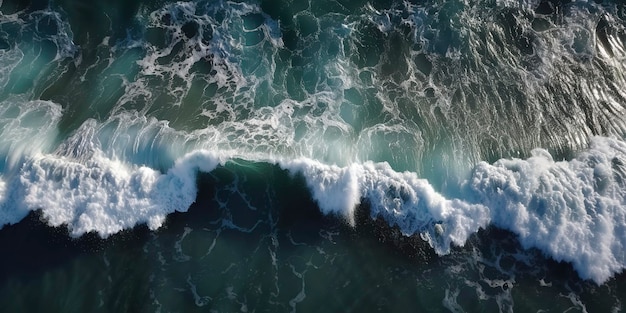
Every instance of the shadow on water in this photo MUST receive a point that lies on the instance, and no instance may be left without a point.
(30, 247)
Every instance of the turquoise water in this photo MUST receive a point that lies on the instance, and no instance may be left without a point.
(321, 155)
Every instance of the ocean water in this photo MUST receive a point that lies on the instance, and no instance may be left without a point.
(335, 156)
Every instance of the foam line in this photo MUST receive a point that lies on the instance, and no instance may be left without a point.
(104, 195)
(573, 210)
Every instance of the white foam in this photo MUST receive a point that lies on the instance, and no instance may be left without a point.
(104, 195)
(336, 189)
(400, 198)
(573, 211)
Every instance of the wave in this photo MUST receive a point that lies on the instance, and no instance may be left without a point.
(370, 106)
(571, 210)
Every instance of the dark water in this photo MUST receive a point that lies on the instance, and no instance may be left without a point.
(312, 156)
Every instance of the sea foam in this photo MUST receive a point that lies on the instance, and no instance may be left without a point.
(103, 195)
(573, 211)
(402, 199)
